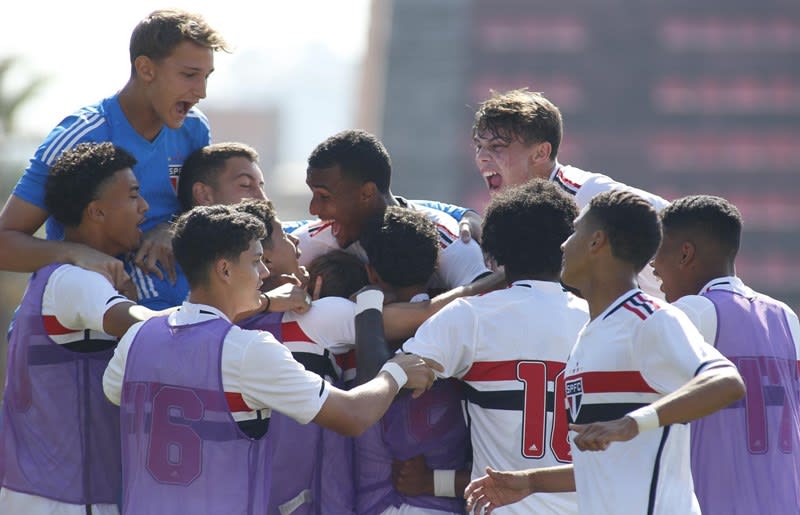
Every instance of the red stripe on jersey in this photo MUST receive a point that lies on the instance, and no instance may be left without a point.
(53, 327)
(634, 310)
(236, 402)
(617, 382)
(446, 230)
(347, 360)
(560, 175)
(291, 332)
(655, 306)
(507, 370)
(312, 231)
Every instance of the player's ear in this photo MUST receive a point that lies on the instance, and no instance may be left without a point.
(202, 194)
(222, 269)
(368, 191)
(541, 151)
(94, 212)
(598, 240)
(145, 68)
(688, 252)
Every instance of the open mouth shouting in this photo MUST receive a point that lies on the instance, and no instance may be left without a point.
(494, 181)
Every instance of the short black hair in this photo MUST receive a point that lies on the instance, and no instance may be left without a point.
(77, 176)
(710, 217)
(261, 209)
(631, 224)
(343, 274)
(360, 155)
(205, 234)
(524, 227)
(402, 245)
(206, 164)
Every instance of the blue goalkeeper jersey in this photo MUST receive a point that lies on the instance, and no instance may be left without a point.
(158, 164)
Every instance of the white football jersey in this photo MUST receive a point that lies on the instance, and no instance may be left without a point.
(509, 347)
(638, 350)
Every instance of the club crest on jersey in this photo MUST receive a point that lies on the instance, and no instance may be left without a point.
(574, 392)
(174, 175)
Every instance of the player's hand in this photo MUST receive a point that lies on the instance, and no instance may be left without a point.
(156, 248)
(412, 477)
(464, 231)
(289, 297)
(420, 375)
(496, 489)
(109, 267)
(469, 227)
(599, 435)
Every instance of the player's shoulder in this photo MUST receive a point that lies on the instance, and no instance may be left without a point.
(571, 178)
(197, 118)
(318, 229)
(446, 225)
(68, 276)
(638, 307)
(87, 124)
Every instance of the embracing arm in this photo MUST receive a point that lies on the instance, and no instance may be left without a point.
(401, 320)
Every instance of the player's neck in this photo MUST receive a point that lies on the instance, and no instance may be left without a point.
(139, 112)
(215, 297)
(605, 288)
(86, 235)
(406, 293)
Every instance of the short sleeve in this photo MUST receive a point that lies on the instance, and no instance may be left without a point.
(448, 338)
(271, 378)
(460, 263)
(330, 323)
(671, 351)
(702, 313)
(79, 298)
(115, 371)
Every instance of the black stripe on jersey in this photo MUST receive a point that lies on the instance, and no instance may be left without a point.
(319, 364)
(513, 400)
(213, 431)
(651, 504)
(565, 187)
(443, 235)
(774, 395)
(589, 413)
(115, 297)
(82, 349)
(711, 364)
(619, 305)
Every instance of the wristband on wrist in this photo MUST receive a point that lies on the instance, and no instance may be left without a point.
(369, 299)
(444, 483)
(269, 302)
(646, 418)
(397, 373)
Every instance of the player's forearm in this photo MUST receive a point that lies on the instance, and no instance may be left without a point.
(21, 252)
(706, 393)
(402, 319)
(551, 479)
(351, 412)
(372, 350)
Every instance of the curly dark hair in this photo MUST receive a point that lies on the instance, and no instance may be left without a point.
(261, 209)
(520, 114)
(343, 274)
(631, 224)
(206, 164)
(524, 227)
(360, 155)
(708, 217)
(78, 175)
(205, 234)
(402, 245)
(157, 35)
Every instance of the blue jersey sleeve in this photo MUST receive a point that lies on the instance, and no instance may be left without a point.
(290, 227)
(456, 212)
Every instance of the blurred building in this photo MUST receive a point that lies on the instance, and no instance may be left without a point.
(679, 98)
